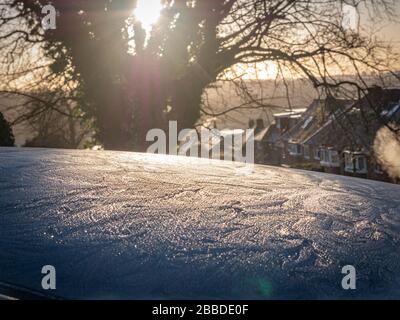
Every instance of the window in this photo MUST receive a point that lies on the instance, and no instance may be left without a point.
(330, 158)
(326, 155)
(317, 153)
(361, 164)
(334, 157)
(355, 163)
(322, 154)
(348, 162)
(294, 149)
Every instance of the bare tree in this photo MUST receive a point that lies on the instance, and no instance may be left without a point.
(131, 81)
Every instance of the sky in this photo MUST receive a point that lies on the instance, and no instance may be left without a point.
(148, 12)
(390, 30)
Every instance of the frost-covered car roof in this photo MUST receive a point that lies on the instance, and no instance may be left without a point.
(137, 226)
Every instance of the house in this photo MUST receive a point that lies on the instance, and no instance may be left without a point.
(345, 142)
(235, 104)
(293, 142)
(267, 148)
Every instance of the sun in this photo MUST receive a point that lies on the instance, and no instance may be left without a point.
(147, 12)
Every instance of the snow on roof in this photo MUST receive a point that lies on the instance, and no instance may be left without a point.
(293, 113)
(307, 122)
(260, 135)
(391, 112)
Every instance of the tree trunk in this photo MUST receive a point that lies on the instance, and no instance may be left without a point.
(186, 100)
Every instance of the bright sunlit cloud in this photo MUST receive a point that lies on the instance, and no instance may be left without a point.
(148, 12)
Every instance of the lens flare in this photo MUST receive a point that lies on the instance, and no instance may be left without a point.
(148, 12)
